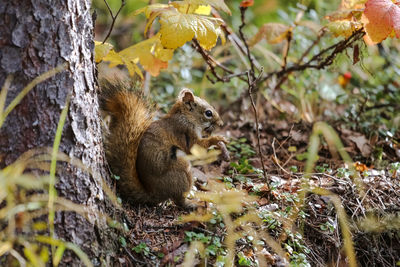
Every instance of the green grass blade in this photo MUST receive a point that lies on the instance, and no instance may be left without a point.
(56, 242)
(3, 95)
(56, 145)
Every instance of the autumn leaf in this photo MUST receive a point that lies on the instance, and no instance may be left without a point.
(150, 54)
(217, 4)
(352, 4)
(148, 10)
(115, 59)
(203, 10)
(101, 50)
(153, 65)
(178, 28)
(201, 156)
(360, 166)
(381, 19)
(181, 22)
(146, 53)
(343, 27)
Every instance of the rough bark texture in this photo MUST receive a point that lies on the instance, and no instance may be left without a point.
(36, 36)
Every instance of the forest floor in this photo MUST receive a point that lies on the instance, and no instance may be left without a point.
(158, 237)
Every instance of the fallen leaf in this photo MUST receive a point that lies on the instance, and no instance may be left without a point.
(362, 144)
(361, 167)
(263, 201)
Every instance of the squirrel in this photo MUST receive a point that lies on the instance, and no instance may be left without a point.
(148, 155)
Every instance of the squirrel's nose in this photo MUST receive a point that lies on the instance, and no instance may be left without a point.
(220, 123)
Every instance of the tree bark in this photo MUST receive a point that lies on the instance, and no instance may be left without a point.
(36, 36)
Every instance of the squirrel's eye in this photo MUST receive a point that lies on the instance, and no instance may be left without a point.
(208, 113)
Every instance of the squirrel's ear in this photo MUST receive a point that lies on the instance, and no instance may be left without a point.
(186, 95)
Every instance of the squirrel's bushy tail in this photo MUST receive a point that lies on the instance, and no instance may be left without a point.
(130, 117)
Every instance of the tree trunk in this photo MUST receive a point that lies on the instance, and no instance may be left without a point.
(36, 36)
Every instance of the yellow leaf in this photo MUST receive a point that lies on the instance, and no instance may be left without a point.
(152, 12)
(149, 53)
(177, 29)
(5, 247)
(101, 50)
(200, 156)
(221, 34)
(132, 68)
(184, 7)
(153, 65)
(206, 34)
(114, 58)
(147, 10)
(217, 4)
(351, 4)
(162, 53)
(343, 27)
(196, 217)
(203, 10)
(130, 62)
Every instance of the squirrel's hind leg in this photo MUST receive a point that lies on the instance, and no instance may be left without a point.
(180, 181)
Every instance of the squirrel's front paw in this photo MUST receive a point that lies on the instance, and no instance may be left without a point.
(224, 151)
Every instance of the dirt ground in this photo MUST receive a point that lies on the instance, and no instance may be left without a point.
(376, 241)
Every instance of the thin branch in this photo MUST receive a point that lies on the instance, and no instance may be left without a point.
(276, 158)
(236, 41)
(249, 55)
(318, 61)
(114, 18)
(252, 84)
(132, 257)
(213, 63)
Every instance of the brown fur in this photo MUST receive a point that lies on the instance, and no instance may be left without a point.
(144, 153)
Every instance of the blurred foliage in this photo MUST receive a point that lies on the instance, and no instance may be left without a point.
(366, 101)
(360, 91)
(28, 197)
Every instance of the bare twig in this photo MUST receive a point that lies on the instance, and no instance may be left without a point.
(213, 63)
(114, 18)
(276, 158)
(132, 257)
(318, 61)
(249, 55)
(252, 84)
